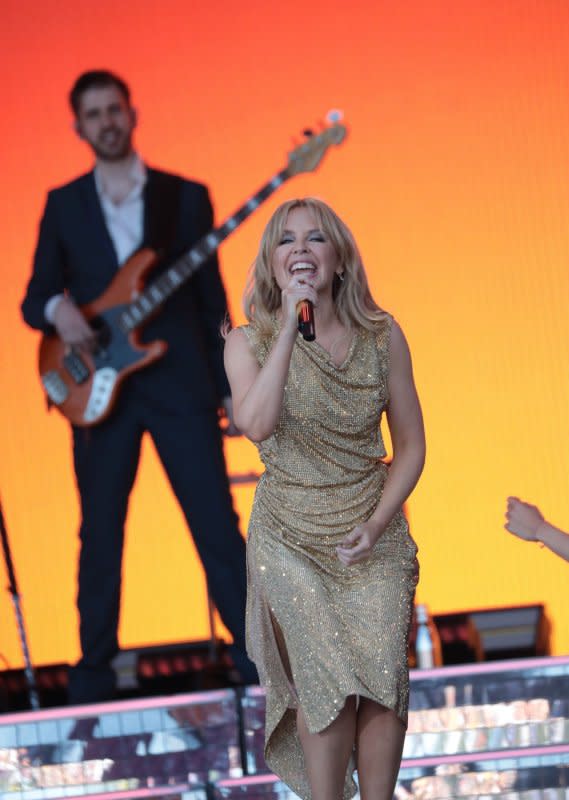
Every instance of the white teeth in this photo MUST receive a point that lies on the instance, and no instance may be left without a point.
(302, 265)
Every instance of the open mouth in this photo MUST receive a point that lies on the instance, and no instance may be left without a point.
(302, 267)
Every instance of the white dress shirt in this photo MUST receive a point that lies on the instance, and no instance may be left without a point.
(124, 220)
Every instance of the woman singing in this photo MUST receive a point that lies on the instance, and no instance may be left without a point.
(332, 567)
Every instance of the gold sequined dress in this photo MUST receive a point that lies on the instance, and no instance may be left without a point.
(319, 631)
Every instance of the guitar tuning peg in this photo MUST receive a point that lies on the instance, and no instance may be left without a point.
(308, 132)
(334, 115)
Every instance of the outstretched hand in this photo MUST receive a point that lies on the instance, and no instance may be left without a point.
(523, 519)
(358, 544)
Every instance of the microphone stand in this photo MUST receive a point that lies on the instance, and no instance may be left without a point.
(13, 590)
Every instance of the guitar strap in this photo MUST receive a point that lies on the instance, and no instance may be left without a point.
(161, 212)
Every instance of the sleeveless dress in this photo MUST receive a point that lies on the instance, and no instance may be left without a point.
(319, 631)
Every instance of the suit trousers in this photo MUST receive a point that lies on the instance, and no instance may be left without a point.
(106, 459)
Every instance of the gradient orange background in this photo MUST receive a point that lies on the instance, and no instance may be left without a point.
(454, 180)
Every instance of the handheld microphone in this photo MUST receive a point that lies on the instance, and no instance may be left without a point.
(306, 327)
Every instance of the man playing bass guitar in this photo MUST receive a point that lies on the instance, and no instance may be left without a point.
(90, 228)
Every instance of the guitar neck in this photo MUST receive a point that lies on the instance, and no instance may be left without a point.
(158, 291)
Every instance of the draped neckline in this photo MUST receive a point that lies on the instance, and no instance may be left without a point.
(327, 356)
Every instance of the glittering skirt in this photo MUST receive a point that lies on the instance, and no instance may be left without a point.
(319, 631)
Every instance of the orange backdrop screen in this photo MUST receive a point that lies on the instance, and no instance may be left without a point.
(454, 180)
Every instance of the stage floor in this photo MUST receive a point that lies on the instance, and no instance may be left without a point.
(497, 729)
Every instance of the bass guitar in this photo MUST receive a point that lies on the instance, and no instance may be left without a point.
(83, 385)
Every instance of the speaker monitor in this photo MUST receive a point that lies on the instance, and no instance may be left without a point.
(493, 633)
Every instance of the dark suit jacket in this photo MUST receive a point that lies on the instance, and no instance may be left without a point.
(75, 253)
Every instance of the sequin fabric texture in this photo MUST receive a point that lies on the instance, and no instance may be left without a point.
(319, 631)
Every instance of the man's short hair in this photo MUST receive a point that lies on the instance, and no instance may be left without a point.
(96, 79)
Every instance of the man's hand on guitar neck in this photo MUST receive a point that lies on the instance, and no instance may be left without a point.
(71, 325)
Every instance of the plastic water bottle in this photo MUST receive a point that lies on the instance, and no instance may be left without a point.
(427, 643)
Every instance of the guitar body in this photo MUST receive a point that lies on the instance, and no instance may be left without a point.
(83, 386)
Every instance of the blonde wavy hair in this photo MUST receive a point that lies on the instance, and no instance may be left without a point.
(354, 303)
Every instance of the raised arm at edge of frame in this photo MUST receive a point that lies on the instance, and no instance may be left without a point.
(554, 539)
(526, 521)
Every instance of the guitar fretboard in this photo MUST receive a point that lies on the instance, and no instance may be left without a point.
(159, 290)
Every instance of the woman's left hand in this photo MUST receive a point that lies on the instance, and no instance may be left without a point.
(358, 544)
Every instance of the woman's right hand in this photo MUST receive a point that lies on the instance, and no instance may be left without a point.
(299, 288)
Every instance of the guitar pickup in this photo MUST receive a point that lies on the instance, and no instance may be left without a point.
(55, 387)
(76, 367)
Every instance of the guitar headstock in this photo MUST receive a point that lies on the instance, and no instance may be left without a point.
(308, 155)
